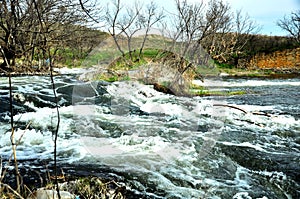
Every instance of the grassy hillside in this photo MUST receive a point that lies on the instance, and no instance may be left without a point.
(257, 44)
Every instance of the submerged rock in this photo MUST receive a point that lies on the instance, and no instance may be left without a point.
(262, 161)
(87, 93)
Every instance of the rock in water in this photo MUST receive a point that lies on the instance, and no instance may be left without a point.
(50, 194)
(163, 89)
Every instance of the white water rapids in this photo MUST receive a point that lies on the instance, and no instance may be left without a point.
(165, 146)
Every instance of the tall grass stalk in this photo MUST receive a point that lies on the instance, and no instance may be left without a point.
(12, 137)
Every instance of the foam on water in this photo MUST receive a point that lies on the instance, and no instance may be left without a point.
(245, 144)
(37, 141)
(124, 144)
(65, 70)
(141, 149)
(35, 145)
(257, 117)
(172, 145)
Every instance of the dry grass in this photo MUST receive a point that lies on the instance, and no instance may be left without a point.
(83, 188)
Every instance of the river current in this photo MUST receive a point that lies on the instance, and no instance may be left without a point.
(163, 146)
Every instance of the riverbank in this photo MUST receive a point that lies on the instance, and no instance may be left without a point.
(232, 72)
(100, 73)
(259, 73)
(75, 180)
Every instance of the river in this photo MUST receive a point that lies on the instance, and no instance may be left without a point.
(162, 146)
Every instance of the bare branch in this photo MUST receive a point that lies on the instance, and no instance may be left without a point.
(148, 19)
(112, 20)
(12, 136)
(87, 12)
(291, 24)
(20, 33)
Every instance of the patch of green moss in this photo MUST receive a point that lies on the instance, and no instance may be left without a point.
(224, 65)
(112, 78)
(203, 92)
(132, 60)
(196, 87)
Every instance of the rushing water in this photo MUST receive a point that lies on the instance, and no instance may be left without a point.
(164, 146)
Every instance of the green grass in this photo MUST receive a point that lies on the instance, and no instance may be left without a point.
(132, 60)
(100, 56)
(224, 65)
(197, 87)
(203, 92)
(112, 78)
(70, 57)
(150, 53)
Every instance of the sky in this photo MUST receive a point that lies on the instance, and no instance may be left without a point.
(267, 12)
(264, 12)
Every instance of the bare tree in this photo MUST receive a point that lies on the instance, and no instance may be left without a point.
(222, 33)
(23, 37)
(111, 18)
(218, 19)
(125, 22)
(198, 25)
(244, 30)
(186, 25)
(129, 25)
(230, 42)
(8, 24)
(147, 19)
(195, 29)
(291, 24)
(217, 24)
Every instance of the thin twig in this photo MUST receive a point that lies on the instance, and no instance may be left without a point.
(57, 126)
(244, 111)
(11, 189)
(12, 137)
(26, 128)
(46, 52)
(262, 113)
(87, 12)
(10, 157)
(0, 169)
(230, 106)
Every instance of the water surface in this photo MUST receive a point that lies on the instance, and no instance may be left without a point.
(164, 146)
